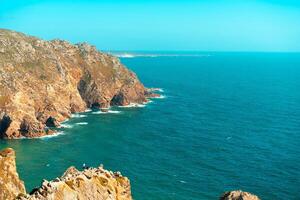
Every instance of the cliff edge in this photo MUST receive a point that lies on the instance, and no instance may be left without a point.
(43, 82)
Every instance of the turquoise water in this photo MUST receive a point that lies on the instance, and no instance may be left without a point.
(229, 121)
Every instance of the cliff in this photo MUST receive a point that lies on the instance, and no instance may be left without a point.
(10, 184)
(43, 82)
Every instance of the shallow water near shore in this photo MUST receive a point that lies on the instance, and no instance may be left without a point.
(228, 121)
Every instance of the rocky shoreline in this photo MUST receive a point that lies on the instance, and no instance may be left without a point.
(43, 82)
(88, 184)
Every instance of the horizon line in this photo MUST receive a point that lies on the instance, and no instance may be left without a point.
(202, 51)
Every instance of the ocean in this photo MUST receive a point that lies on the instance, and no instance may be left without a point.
(226, 121)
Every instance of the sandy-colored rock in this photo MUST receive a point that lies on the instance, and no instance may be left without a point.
(91, 183)
(43, 82)
(238, 195)
(10, 184)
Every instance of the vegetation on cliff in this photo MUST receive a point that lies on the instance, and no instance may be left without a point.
(43, 82)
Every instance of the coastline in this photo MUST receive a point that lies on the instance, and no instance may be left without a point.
(59, 79)
(97, 111)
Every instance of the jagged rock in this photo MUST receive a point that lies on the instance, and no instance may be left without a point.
(43, 82)
(238, 195)
(91, 183)
(10, 184)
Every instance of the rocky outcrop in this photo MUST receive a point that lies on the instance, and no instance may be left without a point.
(10, 184)
(238, 195)
(43, 82)
(91, 183)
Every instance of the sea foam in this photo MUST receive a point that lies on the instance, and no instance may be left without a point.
(66, 126)
(159, 97)
(108, 112)
(51, 136)
(133, 105)
(160, 90)
(157, 90)
(77, 115)
(82, 123)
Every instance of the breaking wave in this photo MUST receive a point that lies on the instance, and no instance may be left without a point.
(82, 123)
(78, 115)
(159, 90)
(159, 97)
(52, 136)
(133, 105)
(66, 126)
(108, 112)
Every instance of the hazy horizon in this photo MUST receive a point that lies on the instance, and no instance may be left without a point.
(212, 26)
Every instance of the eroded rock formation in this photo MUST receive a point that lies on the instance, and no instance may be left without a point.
(10, 184)
(43, 82)
(93, 183)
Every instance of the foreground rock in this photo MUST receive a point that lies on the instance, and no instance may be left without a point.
(10, 184)
(89, 184)
(92, 183)
(43, 82)
(238, 195)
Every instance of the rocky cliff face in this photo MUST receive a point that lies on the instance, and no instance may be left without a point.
(43, 82)
(10, 184)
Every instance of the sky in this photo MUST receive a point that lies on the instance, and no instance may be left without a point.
(157, 25)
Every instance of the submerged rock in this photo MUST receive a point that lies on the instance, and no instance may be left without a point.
(43, 82)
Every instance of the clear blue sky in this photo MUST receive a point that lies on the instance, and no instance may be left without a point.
(205, 25)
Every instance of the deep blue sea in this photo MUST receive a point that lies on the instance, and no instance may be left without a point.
(228, 121)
